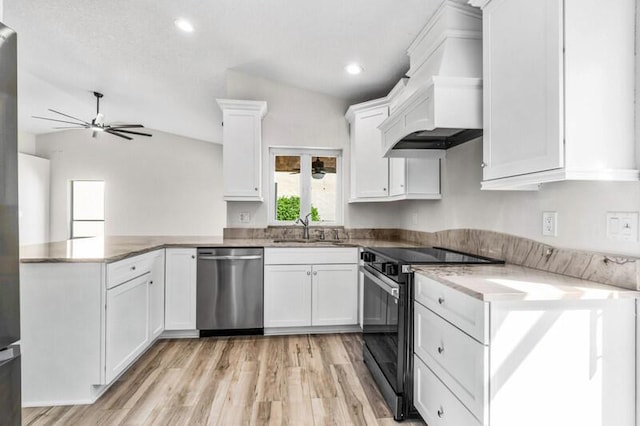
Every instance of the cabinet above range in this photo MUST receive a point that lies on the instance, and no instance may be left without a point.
(375, 178)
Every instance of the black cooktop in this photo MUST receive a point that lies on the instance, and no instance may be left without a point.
(428, 255)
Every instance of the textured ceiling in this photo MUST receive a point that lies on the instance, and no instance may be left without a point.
(168, 80)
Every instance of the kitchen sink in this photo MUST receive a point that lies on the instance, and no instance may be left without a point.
(310, 241)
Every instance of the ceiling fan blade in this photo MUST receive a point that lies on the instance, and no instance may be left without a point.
(70, 127)
(129, 131)
(125, 126)
(68, 116)
(59, 121)
(117, 134)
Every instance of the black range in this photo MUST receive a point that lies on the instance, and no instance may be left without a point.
(388, 316)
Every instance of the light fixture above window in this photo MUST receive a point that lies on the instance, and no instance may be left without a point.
(184, 25)
(353, 68)
(317, 169)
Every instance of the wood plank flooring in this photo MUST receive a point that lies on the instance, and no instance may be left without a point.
(277, 380)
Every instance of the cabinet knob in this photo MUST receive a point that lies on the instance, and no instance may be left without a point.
(401, 186)
(441, 300)
(133, 268)
(255, 189)
(193, 256)
(440, 349)
(315, 272)
(308, 272)
(384, 189)
(483, 164)
(151, 282)
(440, 412)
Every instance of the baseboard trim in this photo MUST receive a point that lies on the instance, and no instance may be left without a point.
(283, 331)
(180, 334)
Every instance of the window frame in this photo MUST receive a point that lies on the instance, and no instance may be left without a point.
(306, 157)
(72, 220)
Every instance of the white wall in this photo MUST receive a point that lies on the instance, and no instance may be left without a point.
(581, 206)
(163, 185)
(26, 143)
(298, 117)
(33, 191)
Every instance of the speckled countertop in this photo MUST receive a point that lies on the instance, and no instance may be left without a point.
(112, 249)
(511, 283)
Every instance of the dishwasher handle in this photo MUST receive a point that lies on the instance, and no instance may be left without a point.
(209, 257)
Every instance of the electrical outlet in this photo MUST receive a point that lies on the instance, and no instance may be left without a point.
(550, 224)
(245, 217)
(622, 226)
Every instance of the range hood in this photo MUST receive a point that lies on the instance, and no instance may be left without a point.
(440, 105)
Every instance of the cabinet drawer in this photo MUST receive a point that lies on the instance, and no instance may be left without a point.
(310, 256)
(437, 405)
(459, 361)
(463, 311)
(127, 269)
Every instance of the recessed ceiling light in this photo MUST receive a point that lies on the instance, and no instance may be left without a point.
(353, 69)
(184, 25)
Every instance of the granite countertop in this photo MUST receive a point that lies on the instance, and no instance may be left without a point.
(112, 249)
(494, 283)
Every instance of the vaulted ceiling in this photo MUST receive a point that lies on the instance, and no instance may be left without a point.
(168, 80)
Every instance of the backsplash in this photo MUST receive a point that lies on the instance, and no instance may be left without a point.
(608, 269)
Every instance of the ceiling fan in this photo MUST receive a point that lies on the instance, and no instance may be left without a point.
(97, 124)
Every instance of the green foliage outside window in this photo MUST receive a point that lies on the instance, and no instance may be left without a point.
(289, 209)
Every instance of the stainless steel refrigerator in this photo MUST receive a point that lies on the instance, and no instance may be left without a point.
(10, 400)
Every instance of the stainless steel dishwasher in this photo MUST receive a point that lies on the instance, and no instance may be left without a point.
(230, 291)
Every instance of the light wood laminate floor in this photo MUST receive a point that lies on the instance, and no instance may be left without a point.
(278, 380)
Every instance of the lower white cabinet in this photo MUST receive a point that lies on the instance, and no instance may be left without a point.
(287, 295)
(180, 289)
(127, 329)
(156, 295)
(522, 362)
(334, 294)
(299, 294)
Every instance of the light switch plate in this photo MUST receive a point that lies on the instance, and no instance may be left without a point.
(245, 217)
(622, 226)
(550, 224)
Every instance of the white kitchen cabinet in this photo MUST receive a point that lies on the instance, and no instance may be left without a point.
(180, 289)
(299, 293)
(127, 328)
(334, 294)
(375, 178)
(242, 149)
(287, 295)
(369, 169)
(156, 295)
(497, 363)
(558, 107)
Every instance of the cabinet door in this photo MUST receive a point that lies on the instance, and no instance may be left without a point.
(370, 170)
(423, 177)
(334, 295)
(523, 86)
(180, 289)
(242, 146)
(397, 176)
(156, 295)
(127, 328)
(287, 295)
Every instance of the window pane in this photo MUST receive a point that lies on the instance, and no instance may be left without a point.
(287, 181)
(87, 229)
(88, 200)
(324, 189)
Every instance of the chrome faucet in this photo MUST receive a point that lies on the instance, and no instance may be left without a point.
(305, 223)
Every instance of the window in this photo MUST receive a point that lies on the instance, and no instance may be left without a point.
(306, 181)
(87, 208)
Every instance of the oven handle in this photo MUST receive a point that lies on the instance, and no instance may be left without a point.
(392, 288)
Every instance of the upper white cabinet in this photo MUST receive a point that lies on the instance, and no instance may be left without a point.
(558, 95)
(369, 169)
(377, 178)
(180, 283)
(242, 149)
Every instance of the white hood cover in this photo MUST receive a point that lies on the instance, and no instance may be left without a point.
(441, 104)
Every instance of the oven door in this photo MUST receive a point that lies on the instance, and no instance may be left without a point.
(384, 330)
